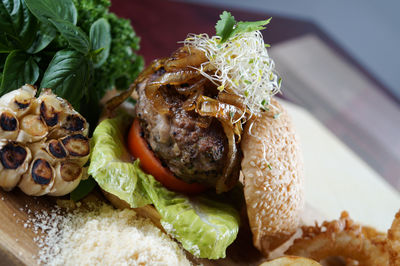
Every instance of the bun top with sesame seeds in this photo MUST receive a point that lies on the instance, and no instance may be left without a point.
(273, 177)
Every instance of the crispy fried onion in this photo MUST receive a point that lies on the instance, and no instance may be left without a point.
(394, 241)
(358, 245)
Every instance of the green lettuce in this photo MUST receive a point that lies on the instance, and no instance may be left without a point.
(110, 162)
(205, 224)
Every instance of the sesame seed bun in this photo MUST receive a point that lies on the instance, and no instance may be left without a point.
(273, 178)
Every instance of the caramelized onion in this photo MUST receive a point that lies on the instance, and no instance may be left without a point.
(232, 99)
(172, 78)
(230, 114)
(120, 98)
(159, 103)
(185, 57)
(196, 91)
(194, 88)
(228, 181)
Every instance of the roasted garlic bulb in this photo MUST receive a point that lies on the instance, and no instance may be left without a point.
(43, 143)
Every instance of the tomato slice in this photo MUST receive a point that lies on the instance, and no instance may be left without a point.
(139, 148)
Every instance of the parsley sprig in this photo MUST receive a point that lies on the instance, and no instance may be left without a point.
(227, 27)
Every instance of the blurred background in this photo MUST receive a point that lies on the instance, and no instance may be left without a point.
(368, 30)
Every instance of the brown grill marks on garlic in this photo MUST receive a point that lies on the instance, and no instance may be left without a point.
(51, 108)
(70, 171)
(24, 104)
(12, 155)
(56, 149)
(8, 121)
(77, 145)
(43, 143)
(19, 101)
(42, 172)
(49, 114)
(14, 162)
(74, 123)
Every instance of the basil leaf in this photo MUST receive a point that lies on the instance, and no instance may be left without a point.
(44, 35)
(20, 68)
(5, 45)
(3, 58)
(53, 9)
(68, 74)
(73, 34)
(17, 22)
(100, 38)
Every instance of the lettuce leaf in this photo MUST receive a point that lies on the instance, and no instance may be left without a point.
(205, 224)
(110, 162)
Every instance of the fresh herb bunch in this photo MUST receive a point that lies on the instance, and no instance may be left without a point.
(77, 48)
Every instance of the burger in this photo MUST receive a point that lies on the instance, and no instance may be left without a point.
(205, 133)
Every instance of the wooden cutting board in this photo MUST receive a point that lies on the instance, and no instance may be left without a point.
(16, 239)
(17, 246)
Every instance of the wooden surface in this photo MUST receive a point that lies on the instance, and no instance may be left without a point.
(17, 245)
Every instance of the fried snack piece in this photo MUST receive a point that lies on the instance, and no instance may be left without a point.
(342, 238)
(273, 178)
(394, 241)
(291, 261)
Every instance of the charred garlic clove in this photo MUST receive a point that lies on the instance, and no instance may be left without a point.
(72, 123)
(20, 101)
(9, 125)
(52, 150)
(32, 129)
(60, 116)
(39, 180)
(56, 149)
(67, 177)
(14, 162)
(51, 108)
(78, 148)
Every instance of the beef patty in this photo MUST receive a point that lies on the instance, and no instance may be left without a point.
(194, 148)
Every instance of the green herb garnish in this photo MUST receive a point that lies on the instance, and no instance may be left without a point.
(77, 48)
(227, 27)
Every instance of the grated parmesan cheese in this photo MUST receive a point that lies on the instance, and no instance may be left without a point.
(102, 236)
